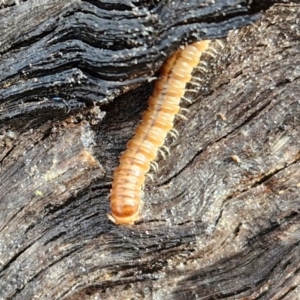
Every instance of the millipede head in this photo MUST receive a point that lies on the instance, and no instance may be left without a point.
(115, 220)
(124, 211)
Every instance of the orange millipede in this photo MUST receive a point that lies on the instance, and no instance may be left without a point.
(157, 122)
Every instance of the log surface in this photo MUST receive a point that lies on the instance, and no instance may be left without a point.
(221, 217)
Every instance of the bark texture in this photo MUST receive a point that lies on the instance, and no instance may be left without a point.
(221, 218)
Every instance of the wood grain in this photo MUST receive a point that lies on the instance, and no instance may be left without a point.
(221, 218)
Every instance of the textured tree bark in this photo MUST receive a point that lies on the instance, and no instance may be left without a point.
(221, 218)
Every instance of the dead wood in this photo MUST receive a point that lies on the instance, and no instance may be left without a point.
(221, 218)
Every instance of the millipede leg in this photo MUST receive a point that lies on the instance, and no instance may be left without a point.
(192, 90)
(174, 133)
(149, 79)
(215, 51)
(183, 109)
(202, 68)
(149, 175)
(221, 44)
(181, 116)
(111, 218)
(154, 165)
(186, 99)
(213, 55)
(166, 149)
(200, 79)
(197, 84)
(162, 153)
(203, 63)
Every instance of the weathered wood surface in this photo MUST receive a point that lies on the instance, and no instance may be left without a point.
(221, 218)
(91, 51)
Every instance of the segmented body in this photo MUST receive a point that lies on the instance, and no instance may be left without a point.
(157, 121)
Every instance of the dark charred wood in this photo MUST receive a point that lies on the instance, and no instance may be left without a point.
(221, 218)
(86, 52)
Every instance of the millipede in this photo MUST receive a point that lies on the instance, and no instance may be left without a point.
(157, 121)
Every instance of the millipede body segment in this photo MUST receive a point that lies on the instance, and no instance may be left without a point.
(157, 121)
